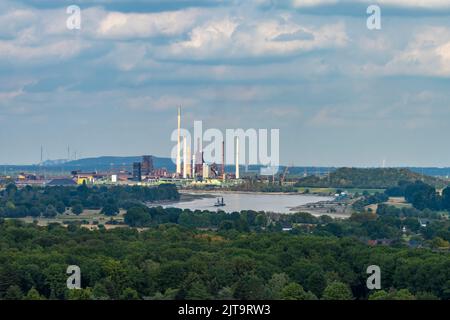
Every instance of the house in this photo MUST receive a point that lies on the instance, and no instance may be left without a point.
(424, 222)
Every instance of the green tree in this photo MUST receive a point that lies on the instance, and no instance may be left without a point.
(226, 293)
(110, 209)
(316, 283)
(276, 285)
(33, 294)
(77, 209)
(198, 291)
(13, 293)
(137, 217)
(294, 291)
(60, 207)
(50, 212)
(169, 294)
(337, 291)
(129, 294)
(249, 287)
(99, 292)
(261, 220)
(80, 294)
(402, 294)
(426, 296)
(379, 295)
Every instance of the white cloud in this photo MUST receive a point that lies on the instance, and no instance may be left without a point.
(429, 4)
(239, 38)
(144, 25)
(428, 53)
(53, 52)
(312, 3)
(159, 103)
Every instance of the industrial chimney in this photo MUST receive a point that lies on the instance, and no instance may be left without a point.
(185, 158)
(193, 165)
(223, 160)
(237, 157)
(178, 145)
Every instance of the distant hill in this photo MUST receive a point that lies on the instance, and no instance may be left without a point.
(106, 163)
(367, 178)
(57, 162)
(111, 162)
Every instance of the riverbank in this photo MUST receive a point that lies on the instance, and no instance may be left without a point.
(236, 201)
(190, 191)
(334, 209)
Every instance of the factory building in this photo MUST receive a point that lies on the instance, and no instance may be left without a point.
(190, 163)
(162, 172)
(206, 171)
(147, 165)
(137, 172)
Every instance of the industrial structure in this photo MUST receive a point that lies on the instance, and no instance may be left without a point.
(147, 165)
(191, 169)
(178, 172)
(137, 171)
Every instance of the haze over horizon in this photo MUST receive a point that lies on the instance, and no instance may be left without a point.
(340, 94)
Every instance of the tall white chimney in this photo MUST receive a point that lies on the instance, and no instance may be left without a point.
(193, 165)
(237, 157)
(188, 161)
(185, 158)
(178, 145)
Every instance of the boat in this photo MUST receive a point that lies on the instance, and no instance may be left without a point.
(219, 203)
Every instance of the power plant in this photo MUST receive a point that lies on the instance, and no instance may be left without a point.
(191, 168)
(194, 168)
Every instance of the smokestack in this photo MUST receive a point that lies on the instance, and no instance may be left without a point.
(193, 165)
(188, 168)
(178, 144)
(185, 160)
(237, 157)
(223, 160)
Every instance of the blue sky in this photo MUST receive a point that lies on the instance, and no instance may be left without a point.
(340, 94)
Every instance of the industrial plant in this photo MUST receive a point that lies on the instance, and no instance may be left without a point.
(191, 170)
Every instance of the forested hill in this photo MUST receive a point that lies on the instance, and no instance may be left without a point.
(108, 162)
(367, 178)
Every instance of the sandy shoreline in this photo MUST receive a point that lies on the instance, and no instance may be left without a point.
(328, 207)
(188, 191)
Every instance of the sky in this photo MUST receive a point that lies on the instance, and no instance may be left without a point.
(340, 94)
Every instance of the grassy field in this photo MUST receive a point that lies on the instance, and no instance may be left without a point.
(87, 217)
(398, 202)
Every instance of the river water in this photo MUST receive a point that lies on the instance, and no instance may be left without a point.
(279, 203)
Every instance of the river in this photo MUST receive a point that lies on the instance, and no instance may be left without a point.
(237, 201)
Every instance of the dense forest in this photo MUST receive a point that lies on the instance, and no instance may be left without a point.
(377, 178)
(421, 195)
(387, 223)
(170, 253)
(49, 201)
(174, 262)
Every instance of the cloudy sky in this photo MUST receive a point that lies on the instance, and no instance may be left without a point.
(339, 93)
